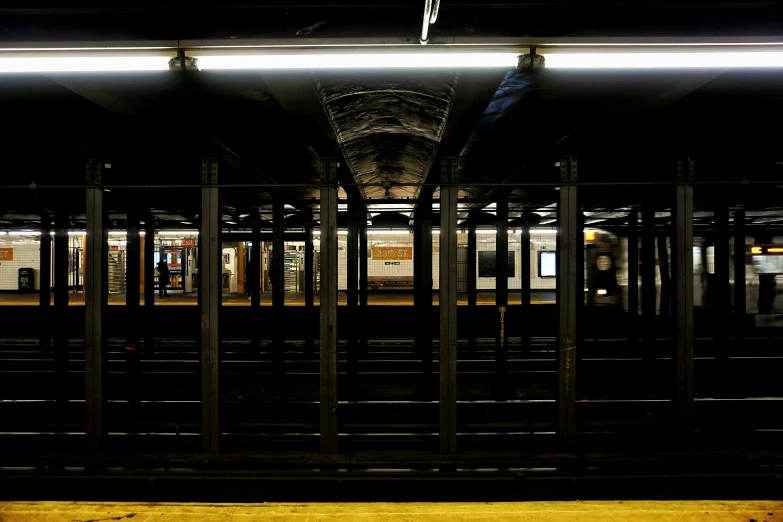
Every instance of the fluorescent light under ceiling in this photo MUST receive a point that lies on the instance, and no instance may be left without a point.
(672, 60)
(414, 60)
(561, 58)
(54, 64)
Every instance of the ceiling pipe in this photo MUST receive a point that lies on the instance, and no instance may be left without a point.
(431, 8)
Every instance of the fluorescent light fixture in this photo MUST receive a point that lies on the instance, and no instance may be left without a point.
(670, 60)
(67, 64)
(178, 232)
(415, 60)
(339, 232)
(2, 233)
(389, 232)
(25, 233)
(590, 222)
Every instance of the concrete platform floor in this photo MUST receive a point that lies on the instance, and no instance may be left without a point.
(386, 298)
(636, 511)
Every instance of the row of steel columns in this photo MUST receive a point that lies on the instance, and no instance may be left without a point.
(569, 284)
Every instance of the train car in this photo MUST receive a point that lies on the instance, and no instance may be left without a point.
(602, 262)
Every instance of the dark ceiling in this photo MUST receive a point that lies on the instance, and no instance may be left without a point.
(505, 126)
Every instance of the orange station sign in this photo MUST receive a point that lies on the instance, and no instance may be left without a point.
(6, 254)
(392, 253)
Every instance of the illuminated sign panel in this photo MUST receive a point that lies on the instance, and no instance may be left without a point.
(392, 253)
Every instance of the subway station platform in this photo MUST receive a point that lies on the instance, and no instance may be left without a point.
(637, 511)
(393, 298)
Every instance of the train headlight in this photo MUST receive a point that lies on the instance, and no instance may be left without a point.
(603, 263)
(601, 291)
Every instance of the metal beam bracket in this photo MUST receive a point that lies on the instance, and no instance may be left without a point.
(93, 174)
(531, 61)
(685, 169)
(568, 169)
(209, 172)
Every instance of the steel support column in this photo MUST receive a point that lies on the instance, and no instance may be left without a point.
(472, 279)
(95, 300)
(683, 269)
(501, 288)
(448, 306)
(45, 282)
(633, 278)
(132, 291)
(739, 277)
(720, 280)
(278, 287)
(210, 286)
(309, 282)
(363, 281)
(423, 282)
(568, 295)
(648, 281)
(524, 268)
(329, 246)
(149, 282)
(352, 293)
(254, 280)
(60, 324)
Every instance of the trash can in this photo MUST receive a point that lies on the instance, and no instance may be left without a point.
(26, 280)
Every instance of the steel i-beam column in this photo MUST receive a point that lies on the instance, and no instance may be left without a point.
(448, 306)
(568, 295)
(363, 282)
(95, 300)
(722, 290)
(149, 282)
(329, 246)
(60, 323)
(633, 278)
(352, 282)
(739, 277)
(425, 297)
(472, 278)
(45, 281)
(648, 281)
(524, 267)
(683, 269)
(210, 286)
(278, 287)
(254, 280)
(309, 283)
(501, 288)
(133, 277)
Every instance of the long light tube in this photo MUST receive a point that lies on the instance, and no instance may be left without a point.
(66, 64)
(358, 61)
(554, 59)
(671, 60)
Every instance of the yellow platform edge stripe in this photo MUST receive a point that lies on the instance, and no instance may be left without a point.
(636, 511)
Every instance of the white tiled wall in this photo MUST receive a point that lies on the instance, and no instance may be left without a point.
(485, 242)
(26, 255)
